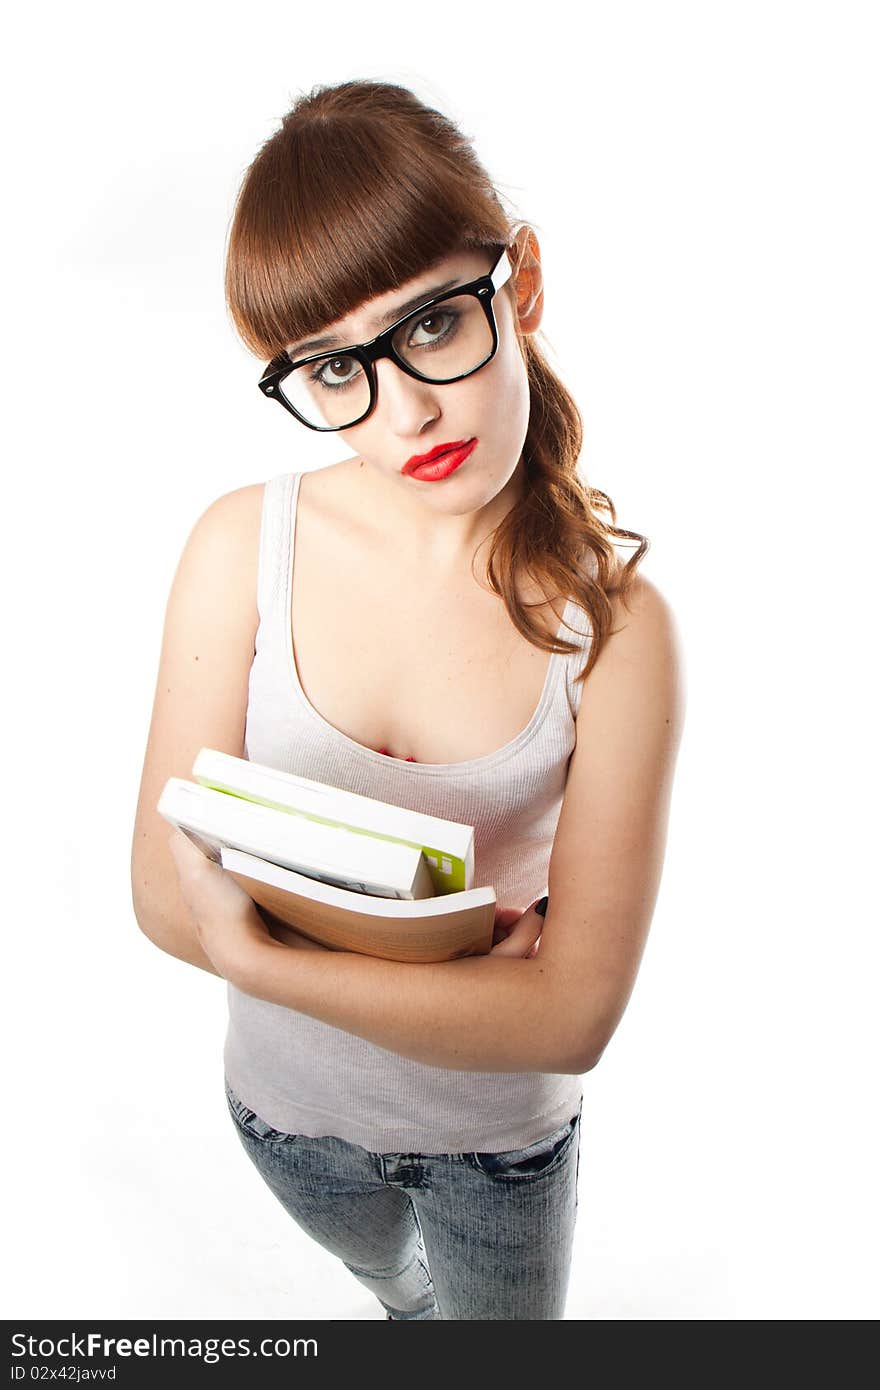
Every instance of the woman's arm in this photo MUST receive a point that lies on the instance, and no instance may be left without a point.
(557, 1011)
(200, 699)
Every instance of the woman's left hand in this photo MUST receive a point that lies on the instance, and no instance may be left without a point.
(229, 927)
(516, 933)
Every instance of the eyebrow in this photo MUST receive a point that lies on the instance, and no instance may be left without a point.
(332, 339)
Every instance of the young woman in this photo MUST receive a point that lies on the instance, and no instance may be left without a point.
(441, 621)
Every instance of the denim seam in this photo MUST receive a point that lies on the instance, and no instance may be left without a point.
(473, 1161)
(243, 1126)
(396, 1274)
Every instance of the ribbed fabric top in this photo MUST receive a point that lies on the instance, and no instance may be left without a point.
(303, 1076)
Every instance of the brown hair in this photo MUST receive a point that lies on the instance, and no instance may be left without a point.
(361, 189)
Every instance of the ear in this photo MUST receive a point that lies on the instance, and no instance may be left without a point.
(528, 280)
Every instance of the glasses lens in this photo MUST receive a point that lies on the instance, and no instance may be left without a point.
(331, 392)
(442, 343)
(446, 341)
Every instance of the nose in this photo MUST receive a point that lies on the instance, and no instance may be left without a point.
(406, 404)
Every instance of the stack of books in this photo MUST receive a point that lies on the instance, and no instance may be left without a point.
(348, 871)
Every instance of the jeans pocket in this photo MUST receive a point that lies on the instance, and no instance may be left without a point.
(534, 1161)
(249, 1122)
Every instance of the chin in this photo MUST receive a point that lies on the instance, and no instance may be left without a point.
(474, 495)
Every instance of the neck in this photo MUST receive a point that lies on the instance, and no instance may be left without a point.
(421, 535)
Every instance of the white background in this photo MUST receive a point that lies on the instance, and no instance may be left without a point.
(703, 179)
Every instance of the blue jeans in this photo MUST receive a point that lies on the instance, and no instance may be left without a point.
(456, 1236)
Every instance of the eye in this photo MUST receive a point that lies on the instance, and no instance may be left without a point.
(336, 371)
(431, 327)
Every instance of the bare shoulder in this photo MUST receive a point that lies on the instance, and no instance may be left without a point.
(644, 643)
(631, 715)
(235, 515)
(645, 605)
(222, 548)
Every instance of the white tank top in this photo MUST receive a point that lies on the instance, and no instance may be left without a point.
(303, 1076)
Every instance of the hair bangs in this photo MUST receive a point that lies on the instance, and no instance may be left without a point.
(344, 212)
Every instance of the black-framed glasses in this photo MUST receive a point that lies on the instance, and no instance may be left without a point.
(446, 339)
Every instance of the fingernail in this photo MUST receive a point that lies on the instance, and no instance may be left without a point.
(541, 907)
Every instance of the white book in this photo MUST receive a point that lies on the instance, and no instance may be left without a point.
(329, 853)
(448, 846)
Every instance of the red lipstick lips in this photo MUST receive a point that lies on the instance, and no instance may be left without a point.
(440, 462)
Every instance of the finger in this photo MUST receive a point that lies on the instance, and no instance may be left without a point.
(522, 937)
(504, 920)
(186, 854)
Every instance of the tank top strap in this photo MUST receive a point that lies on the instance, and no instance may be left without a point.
(577, 628)
(276, 549)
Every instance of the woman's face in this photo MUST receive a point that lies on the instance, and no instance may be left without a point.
(412, 417)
